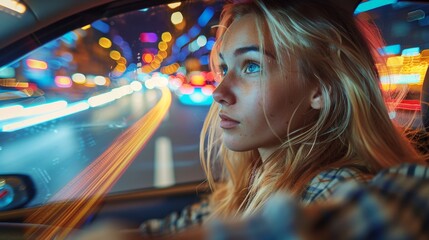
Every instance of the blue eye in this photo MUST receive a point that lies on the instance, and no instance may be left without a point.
(223, 69)
(252, 68)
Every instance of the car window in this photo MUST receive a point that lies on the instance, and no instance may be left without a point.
(121, 99)
(404, 28)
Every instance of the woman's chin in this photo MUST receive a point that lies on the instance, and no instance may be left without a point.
(237, 146)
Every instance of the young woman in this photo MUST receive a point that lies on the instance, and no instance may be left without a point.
(298, 109)
(298, 106)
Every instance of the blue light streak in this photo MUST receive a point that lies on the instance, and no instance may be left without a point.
(182, 40)
(197, 98)
(205, 16)
(194, 31)
(101, 26)
(391, 50)
(411, 51)
(373, 4)
(204, 60)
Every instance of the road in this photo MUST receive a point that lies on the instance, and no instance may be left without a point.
(55, 152)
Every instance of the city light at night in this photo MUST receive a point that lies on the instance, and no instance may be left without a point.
(96, 180)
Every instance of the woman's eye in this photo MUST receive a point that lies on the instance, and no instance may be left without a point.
(222, 70)
(252, 68)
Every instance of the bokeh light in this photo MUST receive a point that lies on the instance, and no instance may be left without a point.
(162, 46)
(100, 80)
(86, 27)
(122, 60)
(136, 86)
(174, 5)
(79, 78)
(176, 18)
(121, 67)
(163, 54)
(115, 55)
(147, 57)
(36, 64)
(197, 79)
(105, 42)
(148, 37)
(166, 37)
(202, 41)
(63, 81)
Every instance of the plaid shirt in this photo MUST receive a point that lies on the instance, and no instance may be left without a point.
(392, 205)
(321, 187)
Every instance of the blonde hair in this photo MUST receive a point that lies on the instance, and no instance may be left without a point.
(352, 129)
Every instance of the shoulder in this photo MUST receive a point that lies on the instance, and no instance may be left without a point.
(394, 204)
(394, 179)
(407, 182)
(404, 180)
(405, 170)
(323, 184)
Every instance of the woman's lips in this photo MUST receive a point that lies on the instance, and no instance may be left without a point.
(227, 122)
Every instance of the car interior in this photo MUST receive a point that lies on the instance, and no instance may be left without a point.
(82, 163)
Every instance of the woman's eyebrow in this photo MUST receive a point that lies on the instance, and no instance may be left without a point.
(243, 50)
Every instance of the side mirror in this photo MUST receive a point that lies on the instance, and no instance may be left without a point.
(16, 190)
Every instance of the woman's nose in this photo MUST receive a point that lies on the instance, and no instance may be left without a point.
(223, 93)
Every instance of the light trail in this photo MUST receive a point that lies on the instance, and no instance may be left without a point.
(21, 117)
(71, 109)
(17, 111)
(89, 187)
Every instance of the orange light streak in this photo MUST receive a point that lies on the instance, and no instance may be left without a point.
(404, 65)
(89, 187)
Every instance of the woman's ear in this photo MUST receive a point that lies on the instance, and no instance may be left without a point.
(316, 100)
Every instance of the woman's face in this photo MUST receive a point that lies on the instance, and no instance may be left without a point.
(245, 83)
